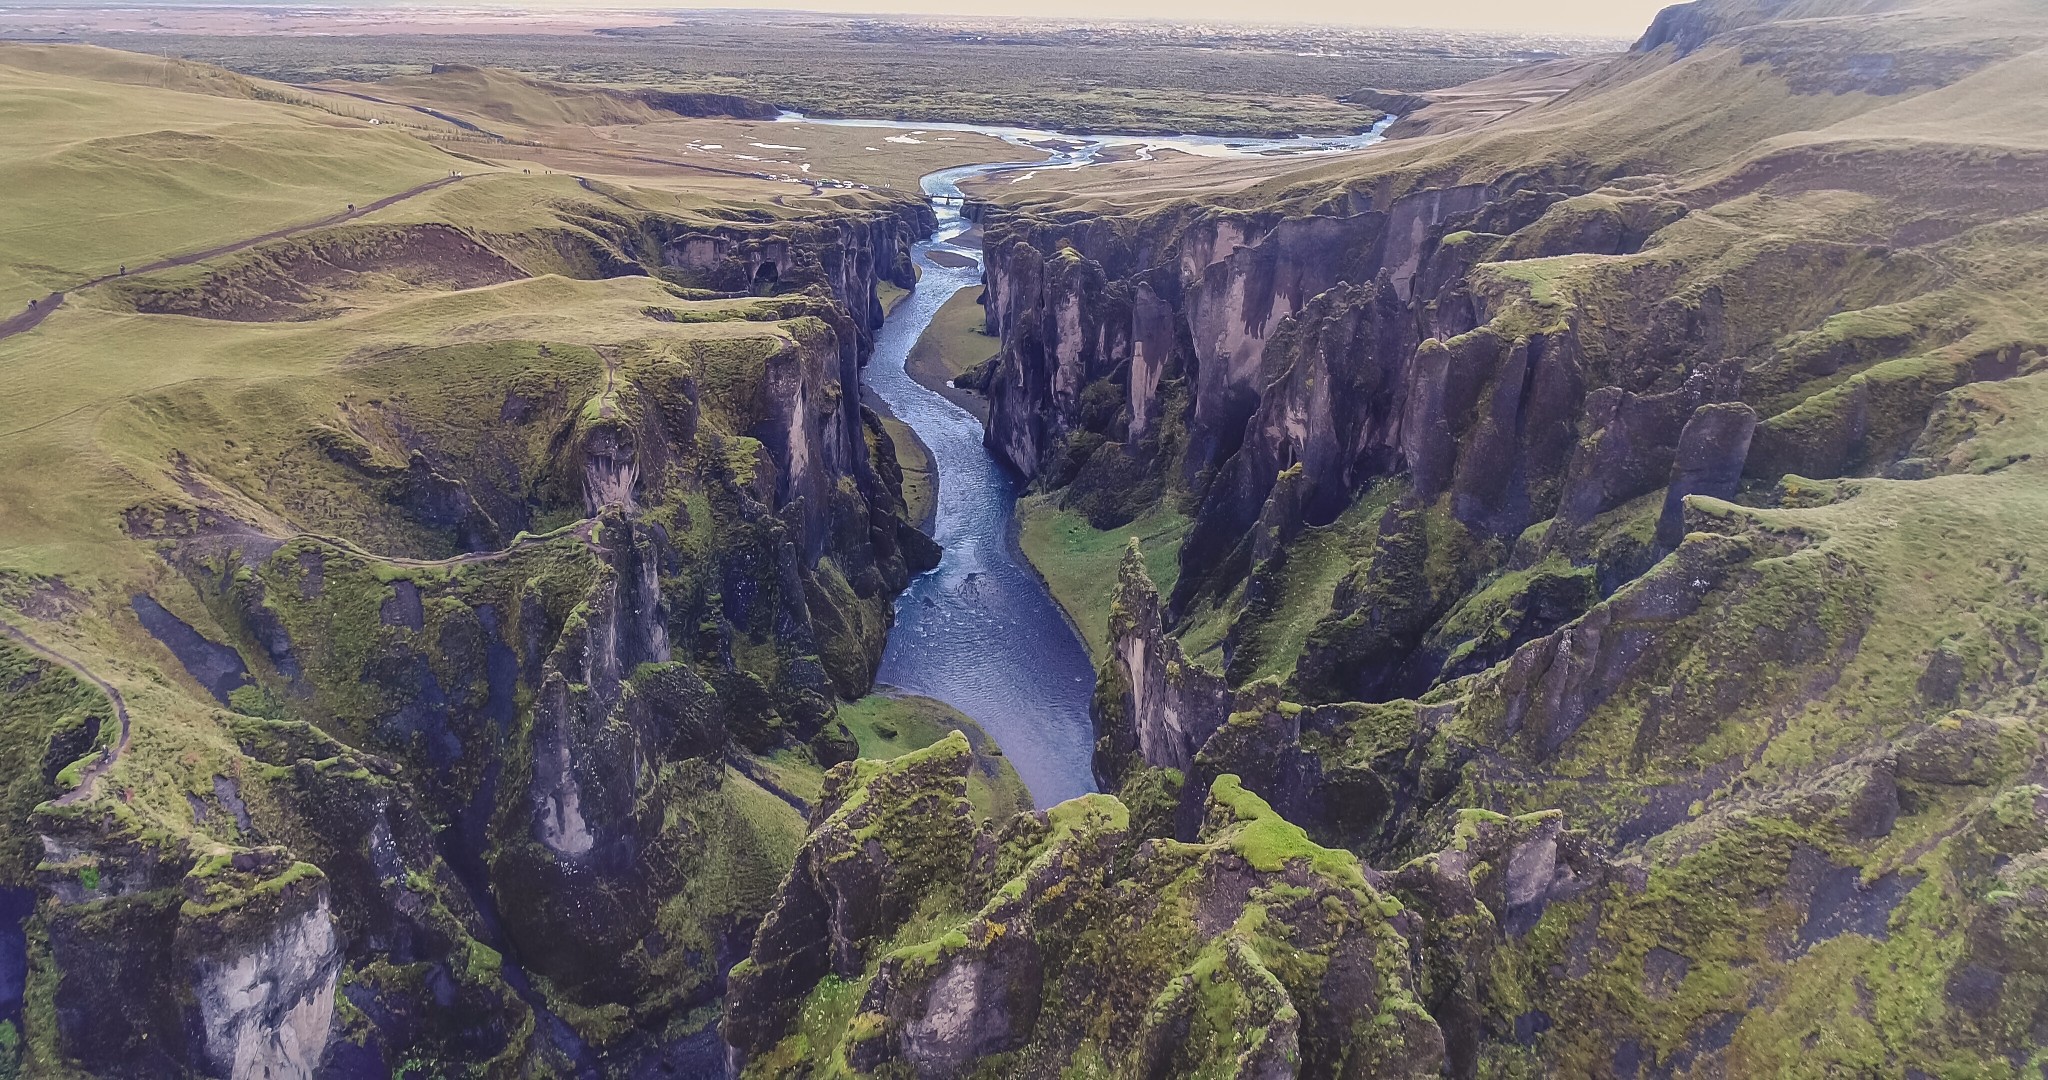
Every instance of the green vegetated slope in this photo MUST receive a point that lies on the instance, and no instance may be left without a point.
(1079, 562)
(410, 602)
(1617, 526)
(115, 159)
(920, 480)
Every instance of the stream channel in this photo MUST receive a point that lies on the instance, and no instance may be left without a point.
(981, 632)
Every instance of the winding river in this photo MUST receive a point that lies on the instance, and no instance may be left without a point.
(981, 632)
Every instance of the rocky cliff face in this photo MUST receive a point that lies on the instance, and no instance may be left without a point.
(847, 258)
(489, 811)
(1196, 300)
(267, 1006)
(1067, 938)
(1339, 353)
(1500, 490)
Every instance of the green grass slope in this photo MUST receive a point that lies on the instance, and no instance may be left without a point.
(107, 171)
(891, 725)
(955, 344)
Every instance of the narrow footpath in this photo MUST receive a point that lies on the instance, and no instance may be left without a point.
(39, 310)
(108, 756)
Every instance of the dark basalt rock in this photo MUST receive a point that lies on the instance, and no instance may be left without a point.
(1941, 681)
(1159, 709)
(1633, 442)
(985, 996)
(1709, 462)
(1510, 467)
(1550, 686)
(1329, 406)
(1960, 748)
(1075, 306)
(216, 667)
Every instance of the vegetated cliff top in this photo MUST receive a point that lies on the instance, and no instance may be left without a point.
(1715, 83)
(115, 173)
(189, 387)
(355, 462)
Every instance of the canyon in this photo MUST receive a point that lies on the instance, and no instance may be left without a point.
(1547, 585)
(1555, 493)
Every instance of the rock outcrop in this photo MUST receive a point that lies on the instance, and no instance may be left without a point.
(882, 836)
(472, 806)
(266, 1005)
(1067, 937)
(1709, 460)
(250, 936)
(1151, 703)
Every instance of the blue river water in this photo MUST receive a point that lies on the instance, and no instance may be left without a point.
(981, 632)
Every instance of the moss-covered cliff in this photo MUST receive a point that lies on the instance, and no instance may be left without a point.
(1618, 460)
(1067, 941)
(454, 719)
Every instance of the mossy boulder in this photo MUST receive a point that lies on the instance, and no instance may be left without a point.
(883, 836)
(1250, 950)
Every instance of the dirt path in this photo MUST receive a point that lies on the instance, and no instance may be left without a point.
(108, 756)
(583, 530)
(40, 309)
(435, 113)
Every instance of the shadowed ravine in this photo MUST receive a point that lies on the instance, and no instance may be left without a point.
(981, 632)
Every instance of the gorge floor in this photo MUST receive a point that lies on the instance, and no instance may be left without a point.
(980, 632)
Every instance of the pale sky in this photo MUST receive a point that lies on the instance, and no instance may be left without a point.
(1608, 18)
(1613, 18)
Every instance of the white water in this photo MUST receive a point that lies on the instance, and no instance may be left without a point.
(1088, 146)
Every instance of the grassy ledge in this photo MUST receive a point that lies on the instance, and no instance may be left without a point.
(890, 725)
(1078, 561)
(951, 346)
